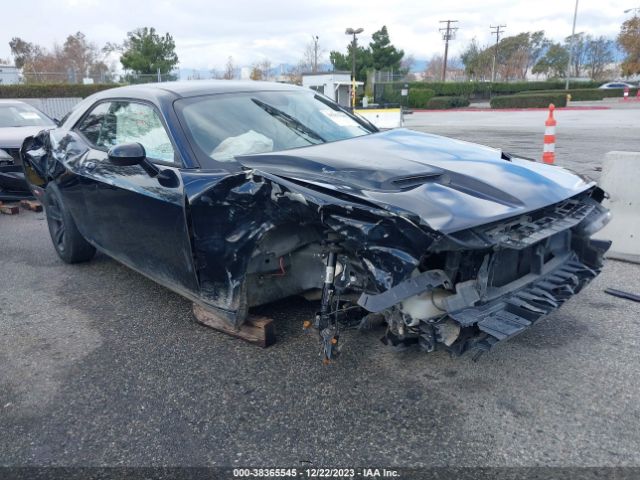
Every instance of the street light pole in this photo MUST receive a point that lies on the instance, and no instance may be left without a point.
(354, 43)
(573, 34)
(315, 52)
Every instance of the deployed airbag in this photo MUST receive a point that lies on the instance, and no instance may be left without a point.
(245, 144)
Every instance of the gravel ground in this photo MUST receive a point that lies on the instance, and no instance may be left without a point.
(100, 366)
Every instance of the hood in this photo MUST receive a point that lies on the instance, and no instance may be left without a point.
(12, 137)
(450, 184)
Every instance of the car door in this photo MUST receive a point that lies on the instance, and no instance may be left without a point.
(137, 219)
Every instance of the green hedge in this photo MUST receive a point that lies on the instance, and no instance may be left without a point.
(443, 103)
(419, 97)
(447, 89)
(484, 89)
(511, 88)
(391, 94)
(590, 94)
(42, 90)
(538, 100)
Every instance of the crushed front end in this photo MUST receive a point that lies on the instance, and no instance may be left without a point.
(476, 287)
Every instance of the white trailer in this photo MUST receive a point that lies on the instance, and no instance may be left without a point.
(335, 85)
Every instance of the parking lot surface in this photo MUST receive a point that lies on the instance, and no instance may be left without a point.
(583, 137)
(101, 366)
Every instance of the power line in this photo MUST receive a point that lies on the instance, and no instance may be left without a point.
(497, 30)
(448, 33)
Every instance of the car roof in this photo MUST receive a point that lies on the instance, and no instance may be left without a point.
(195, 88)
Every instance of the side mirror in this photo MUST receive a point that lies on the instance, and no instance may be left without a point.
(127, 154)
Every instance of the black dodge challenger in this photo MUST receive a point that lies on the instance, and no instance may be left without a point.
(236, 194)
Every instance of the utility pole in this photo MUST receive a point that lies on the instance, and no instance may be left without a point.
(315, 52)
(448, 33)
(496, 31)
(573, 34)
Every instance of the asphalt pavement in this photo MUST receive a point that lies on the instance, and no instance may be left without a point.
(583, 136)
(101, 366)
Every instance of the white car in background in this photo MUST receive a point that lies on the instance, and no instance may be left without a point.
(610, 85)
(18, 120)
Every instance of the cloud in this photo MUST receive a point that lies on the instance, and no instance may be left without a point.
(206, 32)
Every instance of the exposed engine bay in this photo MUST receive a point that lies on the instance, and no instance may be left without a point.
(470, 290)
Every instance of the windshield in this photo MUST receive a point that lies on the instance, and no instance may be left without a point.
(22, 115)
(222, 127)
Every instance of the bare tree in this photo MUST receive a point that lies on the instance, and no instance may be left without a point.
(265, 67)
(599, 54)
(294, 75)
(578, 45)
(75, 59)
(434, 67)
(261, 70)
(78, 53)
(312, 56)
(256, 72)
(229, 69)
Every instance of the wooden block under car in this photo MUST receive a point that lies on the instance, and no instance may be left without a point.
(32, 205)
(9, 209)
(257, 330)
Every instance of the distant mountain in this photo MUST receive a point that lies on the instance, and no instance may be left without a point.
(419, 65)
(186, 73)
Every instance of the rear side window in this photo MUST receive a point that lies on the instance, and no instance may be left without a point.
(117, 122)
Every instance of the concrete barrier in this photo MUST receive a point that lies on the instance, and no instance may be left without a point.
(621, 180)
(383, 118)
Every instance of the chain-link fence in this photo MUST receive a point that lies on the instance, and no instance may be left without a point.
(150, 77)
(389, 93)
(67, 77)
(99, 77)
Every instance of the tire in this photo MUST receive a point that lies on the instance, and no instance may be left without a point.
(67, 240)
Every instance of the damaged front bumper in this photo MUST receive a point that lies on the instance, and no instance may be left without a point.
(513, 312)
(495, 281)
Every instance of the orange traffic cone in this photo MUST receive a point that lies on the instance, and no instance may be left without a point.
(549, 151)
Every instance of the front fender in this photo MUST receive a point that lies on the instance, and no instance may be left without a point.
(233, 215)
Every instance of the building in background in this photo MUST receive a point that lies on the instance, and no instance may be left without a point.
(335, 85)
(9, 75)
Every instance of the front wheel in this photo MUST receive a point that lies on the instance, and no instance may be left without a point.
(67, 240)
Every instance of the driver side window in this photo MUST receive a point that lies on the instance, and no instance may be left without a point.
(117, 122)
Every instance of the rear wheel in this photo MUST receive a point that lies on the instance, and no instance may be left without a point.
(67, 240)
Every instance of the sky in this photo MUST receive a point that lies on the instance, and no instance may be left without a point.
(207, 32)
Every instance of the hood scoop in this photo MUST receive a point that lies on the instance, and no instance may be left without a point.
(462, 183)
(407, 183)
